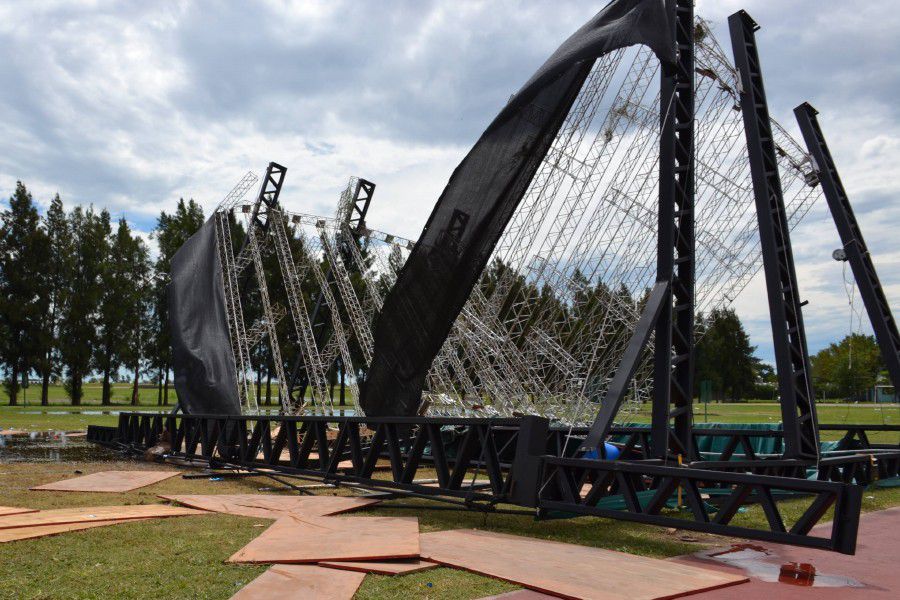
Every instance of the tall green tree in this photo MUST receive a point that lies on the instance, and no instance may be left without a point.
(172, 230)
(89, 233)
(54, 283)
(849, 368)
(23, 250)
(122, 309)
(725, 356)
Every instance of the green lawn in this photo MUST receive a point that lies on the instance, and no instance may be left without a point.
(184, 557)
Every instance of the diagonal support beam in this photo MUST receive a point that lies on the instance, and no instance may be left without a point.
(798, 408)
(870, 289)
(618, 387)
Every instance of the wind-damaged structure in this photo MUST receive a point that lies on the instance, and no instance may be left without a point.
(554, 285)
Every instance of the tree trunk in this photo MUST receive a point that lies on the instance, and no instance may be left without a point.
(76, 389)
(45, 387)
(268, 385)
(259, 384)
(105, 395)
(14, 387)
(166, 388)
(135, 395)
(343, 387)
(159, 380)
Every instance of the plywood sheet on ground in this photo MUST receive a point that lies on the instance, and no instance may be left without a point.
(393, 567)
(294, 539)
(27, 533)
(15, 510)
(270, 506)
(568, 570)
(62, 516)
(870, 574)
(108, 481)
(521, 595)
(301, 582)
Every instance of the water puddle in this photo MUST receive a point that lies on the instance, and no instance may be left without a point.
(759, 563)
(50, 446)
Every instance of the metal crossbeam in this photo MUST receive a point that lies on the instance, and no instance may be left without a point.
(858, 255)
(798, 409)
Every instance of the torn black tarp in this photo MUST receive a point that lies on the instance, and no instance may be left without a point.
(480, 198)
(205, 375)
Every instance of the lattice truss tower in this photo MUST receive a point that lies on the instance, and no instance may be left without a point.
(544, 331)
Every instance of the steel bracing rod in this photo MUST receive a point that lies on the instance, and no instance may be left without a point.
(618, 387)
(858, 255)
(353, 207)
(297, 305)
(359, 325)
(240, 342)
(674, 340)
(798, 410)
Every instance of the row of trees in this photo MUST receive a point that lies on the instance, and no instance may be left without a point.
(79, 296)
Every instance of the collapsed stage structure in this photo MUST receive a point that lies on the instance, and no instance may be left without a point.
(553, 289)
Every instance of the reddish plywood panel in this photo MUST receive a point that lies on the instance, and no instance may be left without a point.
(301, 582)
(393, 567)
(521, 595)
(27, 533)
(568, 570)
(269, 506)
(108, 481)
(294, 539)
(15, 510)
(63, 516)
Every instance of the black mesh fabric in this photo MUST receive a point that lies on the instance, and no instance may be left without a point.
(484, 190)
(205, 375)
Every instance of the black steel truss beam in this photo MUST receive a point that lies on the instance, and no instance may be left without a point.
(858, 255)
(577, 486)
(674, 346)
(798, 409)
(483, 462)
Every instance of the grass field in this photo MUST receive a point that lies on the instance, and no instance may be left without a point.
(63, 416)
(184, 557)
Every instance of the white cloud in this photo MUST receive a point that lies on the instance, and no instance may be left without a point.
(131, 105)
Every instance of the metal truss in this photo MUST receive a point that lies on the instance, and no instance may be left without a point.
(673, 392)
(483, 462)
(798, 410)
(854, 244)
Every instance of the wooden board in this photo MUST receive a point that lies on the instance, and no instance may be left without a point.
(294, 539)
(12, 432)
(521, 595)
(393, 567)
(568, 570)
(270, 506)
(62, 516)
(15, 510)
(27, 533)
(301, 582)
(108, 481)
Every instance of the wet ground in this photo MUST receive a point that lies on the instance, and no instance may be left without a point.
(51, 446)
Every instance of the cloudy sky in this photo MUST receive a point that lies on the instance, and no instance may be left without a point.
(131, 105)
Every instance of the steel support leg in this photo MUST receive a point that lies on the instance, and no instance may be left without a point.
(798, 409)
(673, 360)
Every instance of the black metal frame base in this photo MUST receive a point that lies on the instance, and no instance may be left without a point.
(481, 463)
